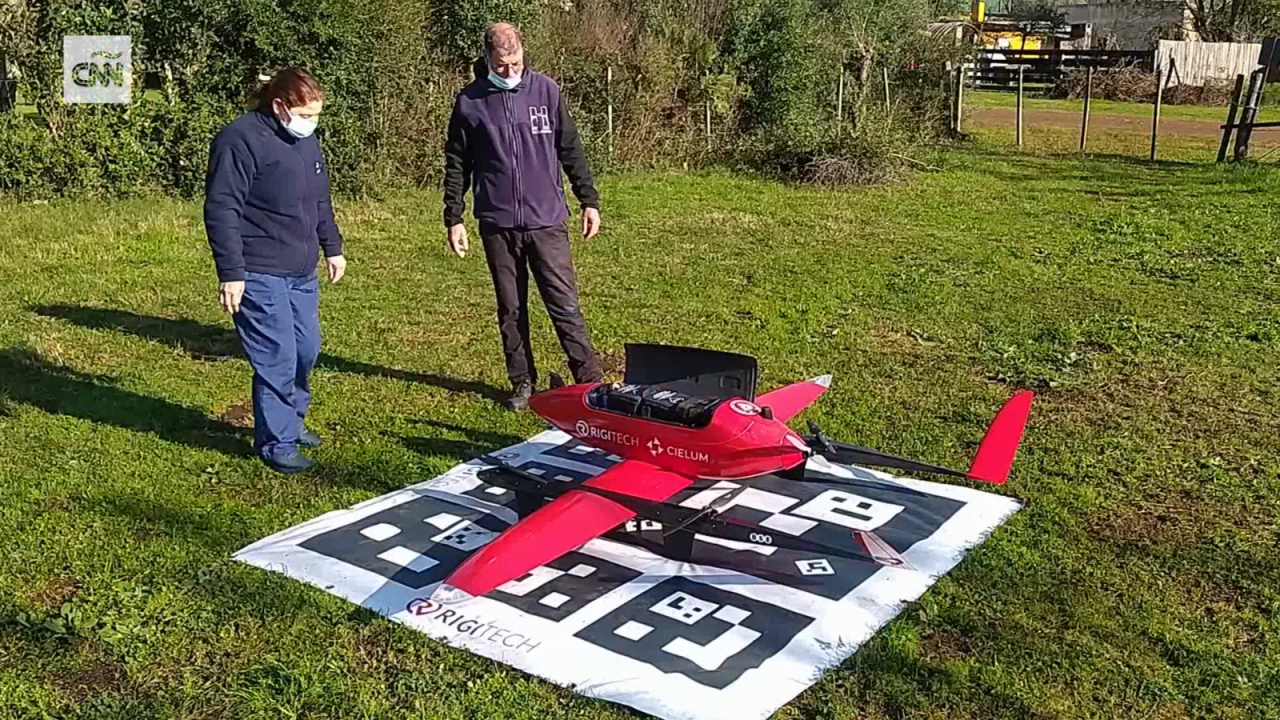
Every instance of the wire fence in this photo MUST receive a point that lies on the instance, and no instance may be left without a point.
(1243, 134)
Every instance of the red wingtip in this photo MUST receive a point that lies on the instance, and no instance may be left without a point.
(995, 455)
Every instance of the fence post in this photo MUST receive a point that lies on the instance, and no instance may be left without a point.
(840, 97)
(1019, 131)
(1155, 117)
(1231, 117)
(959, 95)
(887, 107)
(1250, 115)
(708, 130)
(1084, 122)
(609, 81)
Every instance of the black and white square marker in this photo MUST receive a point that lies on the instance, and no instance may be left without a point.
(819, 566)
(549, 471)
(709, 635)
(581, 454)
(458, 533)
(415, 544)
(564, 586)
(824, 513)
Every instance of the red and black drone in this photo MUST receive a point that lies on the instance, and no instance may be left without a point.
(683, 415)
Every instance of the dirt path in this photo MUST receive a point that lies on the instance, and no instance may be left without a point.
(1006, 117)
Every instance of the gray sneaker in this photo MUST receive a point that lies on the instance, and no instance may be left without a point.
(309, 439)
(291, 463)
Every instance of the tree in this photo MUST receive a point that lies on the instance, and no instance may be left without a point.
(1232, 20)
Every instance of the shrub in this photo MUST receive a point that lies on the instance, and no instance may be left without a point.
(1132, 84)
(766, 69)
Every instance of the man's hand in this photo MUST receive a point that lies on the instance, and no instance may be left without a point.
(590, 222)
(229, 294)
(457, 236)
(337, 267)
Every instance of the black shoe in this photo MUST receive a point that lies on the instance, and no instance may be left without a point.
(520, 394)
(288, 464)
(309, 439)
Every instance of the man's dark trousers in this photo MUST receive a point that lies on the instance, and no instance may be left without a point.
(511, 254)
(279, 328)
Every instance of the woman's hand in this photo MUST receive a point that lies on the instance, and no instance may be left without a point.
(337, 267)
(229, 294)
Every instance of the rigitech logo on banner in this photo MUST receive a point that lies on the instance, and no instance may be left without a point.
(97, 68)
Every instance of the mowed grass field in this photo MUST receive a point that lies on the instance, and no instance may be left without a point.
(1141, 302)
(1187, 132)
(1036, 101)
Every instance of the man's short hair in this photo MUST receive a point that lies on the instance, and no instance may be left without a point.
(503, 39)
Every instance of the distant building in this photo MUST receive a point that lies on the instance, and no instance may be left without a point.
(1128, 25)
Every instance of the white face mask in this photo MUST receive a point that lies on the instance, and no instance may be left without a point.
(510, 83)
(299, 127)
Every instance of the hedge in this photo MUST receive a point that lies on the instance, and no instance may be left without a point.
(768, 70)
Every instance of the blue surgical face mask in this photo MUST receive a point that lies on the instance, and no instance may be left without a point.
(297, 126)
(301, 127)
(505, 83)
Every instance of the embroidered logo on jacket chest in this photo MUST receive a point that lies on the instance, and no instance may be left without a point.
(540, 120)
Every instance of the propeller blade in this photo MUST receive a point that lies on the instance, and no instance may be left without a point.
(712, 508)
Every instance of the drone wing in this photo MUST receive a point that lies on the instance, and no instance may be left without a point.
(564, 524)
(787, 402)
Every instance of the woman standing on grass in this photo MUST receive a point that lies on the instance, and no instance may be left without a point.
(268, 213)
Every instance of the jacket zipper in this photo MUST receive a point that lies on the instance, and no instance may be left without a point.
(515, 143)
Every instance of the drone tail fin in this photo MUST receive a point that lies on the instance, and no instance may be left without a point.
(995, 456)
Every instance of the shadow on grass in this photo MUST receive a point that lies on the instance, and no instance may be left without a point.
(28, 379)
(211, 342)
(208, 529)
(476, 442)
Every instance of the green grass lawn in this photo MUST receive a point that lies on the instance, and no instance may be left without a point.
(1142, 302)
(991, 98)
(1131, 142)
(1115, 144)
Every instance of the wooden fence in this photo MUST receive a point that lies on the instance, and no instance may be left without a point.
(1246, 103)
(997, 69)
(1204, 63)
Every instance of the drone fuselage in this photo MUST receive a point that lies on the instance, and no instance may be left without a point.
(739, 441)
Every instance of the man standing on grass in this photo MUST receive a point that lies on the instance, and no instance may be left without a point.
(509, 136)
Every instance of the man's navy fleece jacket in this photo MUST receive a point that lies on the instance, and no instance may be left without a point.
(511, 145)
(267, 205)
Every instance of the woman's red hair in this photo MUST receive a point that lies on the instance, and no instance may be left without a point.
(292, 86)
